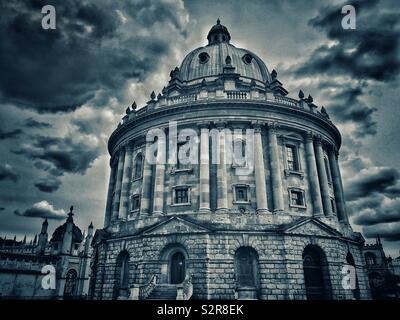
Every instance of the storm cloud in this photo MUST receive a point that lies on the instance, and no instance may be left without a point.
(7, 172)
(368, 52)
(48, 184)
(71, 154)
(96, 46)
(10, 134)
(371, 180)
(32, 123)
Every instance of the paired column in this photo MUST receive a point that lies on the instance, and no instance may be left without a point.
(204, 169)
(118, 184)
(259, 172)
(222, 179)
(276, 174)
(337, 185)
(111, 185)
(323, 179)
(146, 183)
(313, 176)
(158, 198)
(126, 183)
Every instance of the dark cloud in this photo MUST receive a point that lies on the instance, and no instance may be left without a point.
(94, 48)
(387, 231)
(64, 154)
(2, 208)
(347, 107)
(369, 52)
(10, 134)
(32, 123)
(42, 209)
(7, 172)
(48, 184)
(371, 180)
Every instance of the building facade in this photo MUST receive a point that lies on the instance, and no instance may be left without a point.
(258, 212)
(66, 256)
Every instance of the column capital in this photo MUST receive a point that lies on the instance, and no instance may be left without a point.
(204, 124)
(273, 126)
(318, 139)
(220, 124)
(309, 136)
(128, 146)
(257, 125)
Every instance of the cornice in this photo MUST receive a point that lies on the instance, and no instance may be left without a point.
(222, 104)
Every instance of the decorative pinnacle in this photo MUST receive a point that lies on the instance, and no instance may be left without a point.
(301, 94)
(134, 105)
(218, 21)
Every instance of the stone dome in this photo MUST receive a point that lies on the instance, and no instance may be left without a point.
(209, 61)
(58, 234)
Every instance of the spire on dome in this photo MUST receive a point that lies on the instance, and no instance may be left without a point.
(218, 34)
(70, 214)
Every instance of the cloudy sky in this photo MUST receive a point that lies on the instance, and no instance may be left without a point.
(63, 91)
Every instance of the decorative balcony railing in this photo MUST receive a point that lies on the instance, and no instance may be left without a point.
(286, 101)
(182, 99)
(237, 95)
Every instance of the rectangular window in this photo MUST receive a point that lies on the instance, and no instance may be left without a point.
(241, 194)
(333, 206)
(135, 202)
(183, 158)
(181, 195)
(292, 158)
(297, 198)
(327, 169)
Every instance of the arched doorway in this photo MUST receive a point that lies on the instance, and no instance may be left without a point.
(315, 273)
(70, 284)
(121, 288)
(246, 273)
(350, 261)
(177, 268)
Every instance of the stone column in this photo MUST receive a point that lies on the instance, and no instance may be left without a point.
(158, 197)
(276, 173)
(222, 179)
(323, 179)
(118, 183)
(337, 185)
(204, 169)
(259, 172)
(126, 183)
(111, 185)
(313, 176)
(146, 184)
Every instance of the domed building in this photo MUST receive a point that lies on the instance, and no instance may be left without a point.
(222, 187)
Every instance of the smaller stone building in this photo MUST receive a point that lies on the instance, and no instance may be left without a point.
(23, 265)
(382, 278)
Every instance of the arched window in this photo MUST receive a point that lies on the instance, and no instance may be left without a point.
(316, 275)
(350, 261)
(122, 275)
(239, 152)
(370, 258)
(138, 166)
(246, 267)
(70, 283)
